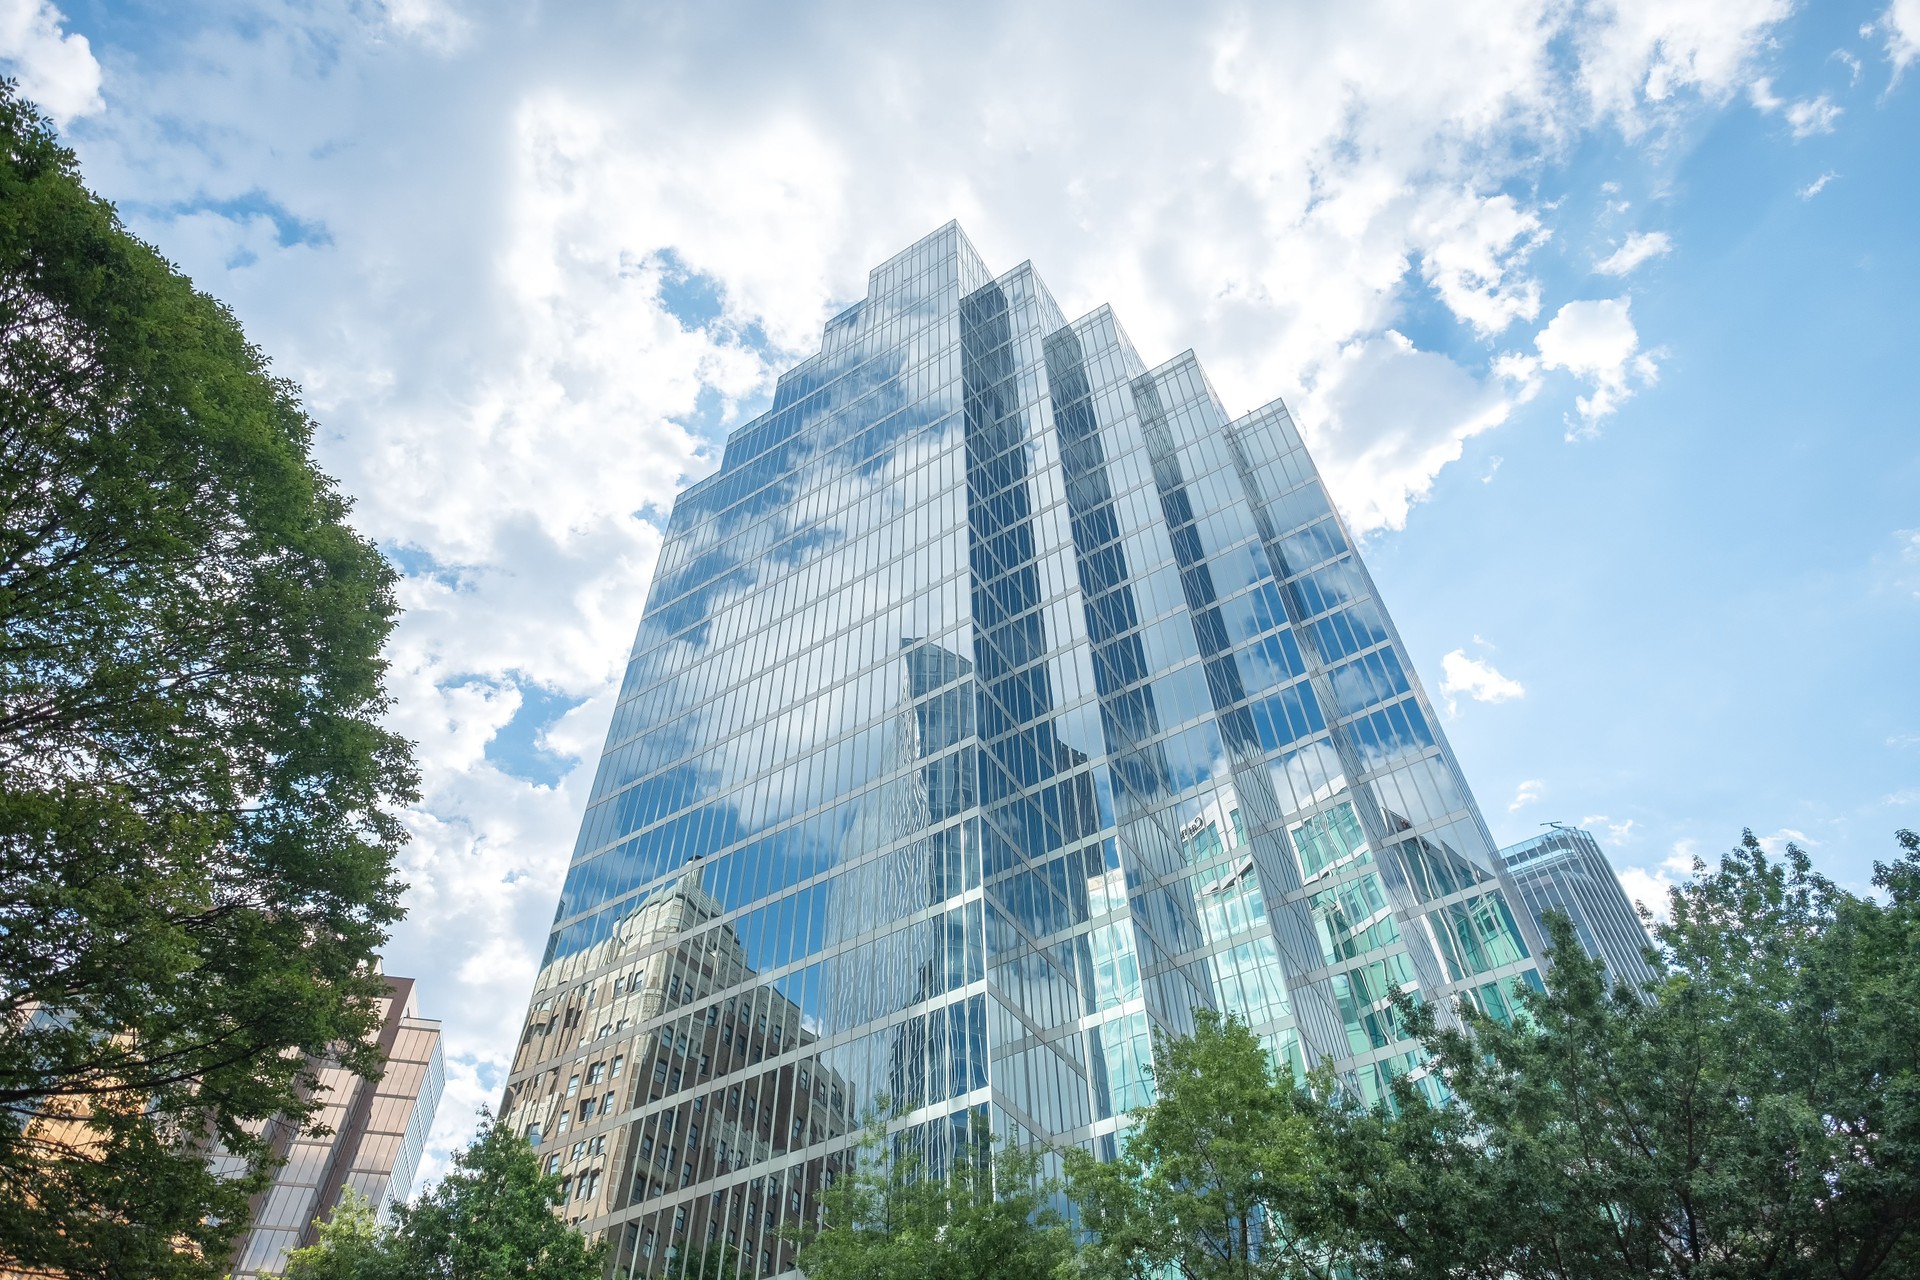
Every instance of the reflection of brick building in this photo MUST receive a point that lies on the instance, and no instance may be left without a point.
(583, 1069)
(377, 1131)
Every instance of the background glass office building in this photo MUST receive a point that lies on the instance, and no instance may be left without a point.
(1565, 870)
(372, 1135)
(998, 702)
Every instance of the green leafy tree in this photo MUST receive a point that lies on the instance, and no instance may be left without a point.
(1760, 1118)
(198, 806)
(351, 1245)
(988, 1216)
(717, 1261)
(1212, 1177)
(491, 1218)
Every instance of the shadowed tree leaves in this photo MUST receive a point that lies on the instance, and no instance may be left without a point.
(717, 1261)
(198, 806)
(351, 1245)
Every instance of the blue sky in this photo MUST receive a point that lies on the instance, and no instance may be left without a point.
(1598, 316)
(1713, 605)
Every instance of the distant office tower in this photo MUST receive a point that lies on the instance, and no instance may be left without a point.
(378, 1131)
(998, 702)
(1564, 870)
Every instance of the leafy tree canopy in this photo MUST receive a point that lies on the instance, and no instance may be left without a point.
(891, 1216)
(717, 1261)
(1224, 1141)
(198, 806)
(492, 1218)
(1757, 1117)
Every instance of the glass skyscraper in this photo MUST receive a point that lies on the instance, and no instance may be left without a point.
(997, 703)
(1565, 870)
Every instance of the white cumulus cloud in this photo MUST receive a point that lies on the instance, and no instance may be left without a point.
(1650, 887)
(1595, 341)
(1813, 115)
(1529, 791)
(1777, 843)
(1476, 262)
(55, 67)
(1900, 571)
(1616, 833)
(1638, 56)
(434, 23)
(1389, 417)
(1635, 249)
(1804, 116)
(1818, 185)
(1477, 679)
(1901, 23)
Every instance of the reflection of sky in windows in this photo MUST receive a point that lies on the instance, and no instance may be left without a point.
(998, 702)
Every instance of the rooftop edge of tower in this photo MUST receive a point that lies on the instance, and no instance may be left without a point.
(947, 257)
(945, 252)
(1023, 284)
(1187, 360)
(945, 241)
(1102, 323)
(1278, 417)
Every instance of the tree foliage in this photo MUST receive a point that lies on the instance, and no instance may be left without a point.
(985, 1215)
(1761, 1118)
(351, 1245)
(198, 806)
(1758, 1118)
(716, 1261)
(1190, 1194)
(492, 1218)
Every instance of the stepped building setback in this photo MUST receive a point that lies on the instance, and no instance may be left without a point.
(998, 702)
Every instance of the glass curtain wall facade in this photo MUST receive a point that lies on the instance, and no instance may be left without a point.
(1565, 870)
(375, 1133)
(997, 703)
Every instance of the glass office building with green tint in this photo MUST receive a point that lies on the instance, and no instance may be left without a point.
(1565, 870)
(999, 702)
